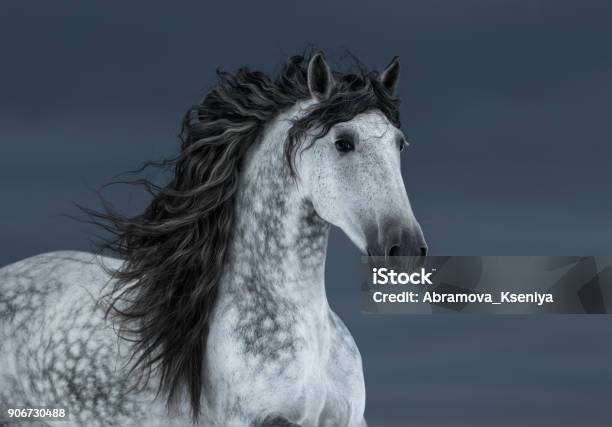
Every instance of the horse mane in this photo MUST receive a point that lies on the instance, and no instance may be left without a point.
(174, 252)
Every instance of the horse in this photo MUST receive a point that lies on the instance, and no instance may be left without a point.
(212, 309)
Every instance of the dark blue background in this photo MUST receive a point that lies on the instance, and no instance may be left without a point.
(507, 105)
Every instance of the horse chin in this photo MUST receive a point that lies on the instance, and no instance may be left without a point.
(362, 247)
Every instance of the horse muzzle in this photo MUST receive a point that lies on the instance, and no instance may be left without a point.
(394, 238)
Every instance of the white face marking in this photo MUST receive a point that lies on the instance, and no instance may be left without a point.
(362, 189)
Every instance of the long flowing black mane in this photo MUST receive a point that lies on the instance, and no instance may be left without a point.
(174, 252)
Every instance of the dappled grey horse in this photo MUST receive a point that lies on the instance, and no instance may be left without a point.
(216, 311)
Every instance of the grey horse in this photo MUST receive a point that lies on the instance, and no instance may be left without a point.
(214, 312)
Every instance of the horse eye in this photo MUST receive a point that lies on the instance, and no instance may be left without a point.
(402, 143)
(344, 145)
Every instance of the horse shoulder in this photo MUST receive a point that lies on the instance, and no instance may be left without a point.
(346, 396)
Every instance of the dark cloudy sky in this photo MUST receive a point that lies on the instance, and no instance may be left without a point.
(507, 105)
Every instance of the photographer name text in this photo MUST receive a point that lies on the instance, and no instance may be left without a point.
(385, 276)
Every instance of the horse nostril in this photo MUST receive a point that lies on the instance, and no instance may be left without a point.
(424, 251)
(394, 251)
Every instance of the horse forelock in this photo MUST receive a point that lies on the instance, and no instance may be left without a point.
(175, 251)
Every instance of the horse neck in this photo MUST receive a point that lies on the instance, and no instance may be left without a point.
(279, 243)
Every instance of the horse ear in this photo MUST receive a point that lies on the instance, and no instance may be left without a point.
(390, 76)
(320, 79)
